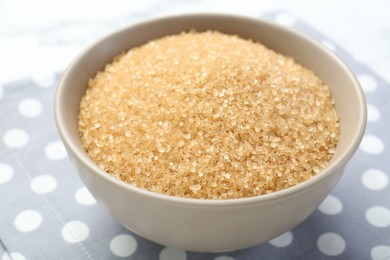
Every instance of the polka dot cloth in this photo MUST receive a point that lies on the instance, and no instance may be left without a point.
(331, 244)
(43, 199)
(43, 184)
(84, 197)
(75, 232)
(30, 107)
(28, 220)
(331, 206)
(1, 92)
(15, 138)
(55, 151)
(172, 254)
(282, 240)
(6, 173)
(123, 245)
(13, 256)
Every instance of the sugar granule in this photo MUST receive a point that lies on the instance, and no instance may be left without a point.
(209, 116)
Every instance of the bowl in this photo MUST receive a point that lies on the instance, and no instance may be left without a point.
(211, 225)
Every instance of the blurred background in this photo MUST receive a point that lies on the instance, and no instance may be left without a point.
(42, 36)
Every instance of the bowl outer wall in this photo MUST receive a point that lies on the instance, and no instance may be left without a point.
(207, 225)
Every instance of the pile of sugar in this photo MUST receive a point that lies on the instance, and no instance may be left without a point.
(208, 115)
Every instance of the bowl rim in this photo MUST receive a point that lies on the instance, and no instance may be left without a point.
(334, 166)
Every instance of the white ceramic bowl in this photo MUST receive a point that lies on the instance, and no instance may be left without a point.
(211, 225)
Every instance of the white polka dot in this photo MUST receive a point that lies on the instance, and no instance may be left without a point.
(55, 151)
(224, 258)
(380, 252)
(6, 173)
(373, 114)
(331, 244)
(172, 254)
(375, 179)
(13, 256)
(44, 80)
(84, 197)
(285, 19)
(331, 206)
(43, 184)
(378, 216)
(15, 138)
(75, 232)
(329, 45)
(368, 83)
(28, 220)
(372, 144)
(282, 240)
(30, 107)
(123, 245)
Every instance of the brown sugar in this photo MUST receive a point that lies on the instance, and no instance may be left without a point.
(208, 115)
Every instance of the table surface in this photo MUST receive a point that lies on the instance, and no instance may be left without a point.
(44, 202)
